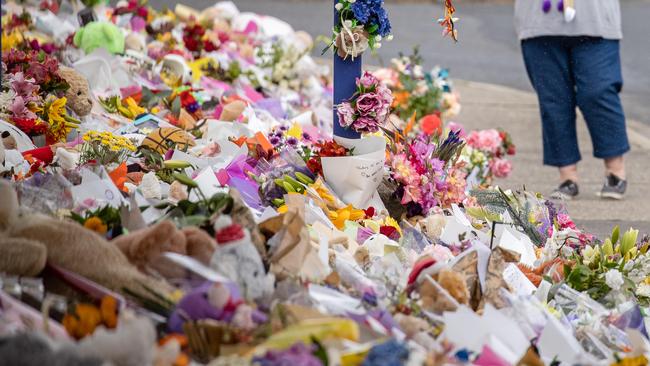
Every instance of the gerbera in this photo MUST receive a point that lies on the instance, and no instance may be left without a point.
(340, 216)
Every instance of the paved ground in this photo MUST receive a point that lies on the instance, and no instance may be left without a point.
(488, 54)
(488, 50)
(488, 105)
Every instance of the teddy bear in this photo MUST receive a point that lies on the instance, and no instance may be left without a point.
(78, 94)
(29, 240)
(144, 246)
(428, 277)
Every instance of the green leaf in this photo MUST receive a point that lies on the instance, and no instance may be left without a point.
(615, 234)
(628, 241)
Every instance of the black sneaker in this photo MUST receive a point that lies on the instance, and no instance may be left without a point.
(566, 191)
(614, 188)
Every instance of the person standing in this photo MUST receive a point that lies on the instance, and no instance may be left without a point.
(571, 52)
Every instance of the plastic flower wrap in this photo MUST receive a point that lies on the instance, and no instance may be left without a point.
(362, 24)
(368, 109)
(486, 155)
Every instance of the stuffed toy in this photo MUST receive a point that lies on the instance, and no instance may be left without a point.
(431, 297)
(33, 349)
(142, 247)
(8, 141)
(28, 240)
(78, 94)
(217, 301)
(237, 259)
(100, 35)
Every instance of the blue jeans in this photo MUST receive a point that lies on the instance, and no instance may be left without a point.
(577, 71)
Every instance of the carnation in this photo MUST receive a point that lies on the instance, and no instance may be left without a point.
(614, 279)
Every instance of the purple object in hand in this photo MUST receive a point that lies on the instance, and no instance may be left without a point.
(546, 6)
(560, 6)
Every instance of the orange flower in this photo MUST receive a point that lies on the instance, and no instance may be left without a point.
(340, 216)
(400, 97)
(96, 224)
(108, 309)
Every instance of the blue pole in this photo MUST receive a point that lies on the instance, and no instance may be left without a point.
(345, 74)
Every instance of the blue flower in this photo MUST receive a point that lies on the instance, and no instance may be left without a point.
(381, 19)
(364, 9)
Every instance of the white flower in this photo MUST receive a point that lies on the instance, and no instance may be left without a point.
(643, 290)
(150, 186)
(338, 6)
(352, 1)
(389, 37)
(378, 38)
(348, 23)
(614, 279)
(377, 45)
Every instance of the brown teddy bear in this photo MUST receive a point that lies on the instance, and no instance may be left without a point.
(421, 280)
(144, 247)
(28, 241)
(78, 94)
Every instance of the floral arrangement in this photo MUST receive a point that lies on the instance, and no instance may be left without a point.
(486, 154)
(196, 40)
(105, 148)
(425, 171)
(126, 107)
(368, 108)
(418, 92)
(362, 24)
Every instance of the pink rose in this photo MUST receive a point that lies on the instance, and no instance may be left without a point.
(366, 124)
(487, 140)
(368, 80)
(345, 113)
(368, 104)
(500, 168)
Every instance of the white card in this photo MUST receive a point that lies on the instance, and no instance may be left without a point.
(510, 240)
(517, 281)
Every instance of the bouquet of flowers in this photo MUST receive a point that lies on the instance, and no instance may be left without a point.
(362, 24)
(425, 172)
(416, 91)
(485, 154)
(105, 148)
(369, 107)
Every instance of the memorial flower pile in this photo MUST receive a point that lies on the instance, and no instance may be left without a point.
(189, 205)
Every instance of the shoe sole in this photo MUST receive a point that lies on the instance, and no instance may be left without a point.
(611, 195)
(561, 197)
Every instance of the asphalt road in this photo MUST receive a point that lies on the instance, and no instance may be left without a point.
(488, 50)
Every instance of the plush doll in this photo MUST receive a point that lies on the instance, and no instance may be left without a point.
(237, 259)
(28, 240)
(100, 35)
(217, 301)
(78, 94)
(142, 247)
(8, 141)
(451, 281)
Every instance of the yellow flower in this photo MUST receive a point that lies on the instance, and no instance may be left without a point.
(340, 216)
(133, 107)
(56, 118)
(323, 192)
(295, 131)
(11, 40)
(96, 224)
(632, 361)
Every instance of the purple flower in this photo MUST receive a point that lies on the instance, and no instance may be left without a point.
(369, 104)
(306, 136)
(292, 141)
(346, 114)
(366, 124)
(23, 87)
(19, 109)
(437, 165)
(274, 140)
(298, 354)
(368, 80)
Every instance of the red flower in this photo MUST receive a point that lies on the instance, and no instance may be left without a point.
(229, 234)
(390, 232)
(315, 166)
(331, 149)
(512, 150)
(30, 126)
(370, 212)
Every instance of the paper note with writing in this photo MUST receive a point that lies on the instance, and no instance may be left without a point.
(510, 240)
(96, 188)
(517, 281)
(356, 178)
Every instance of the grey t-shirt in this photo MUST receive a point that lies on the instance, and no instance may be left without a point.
(598, 18)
